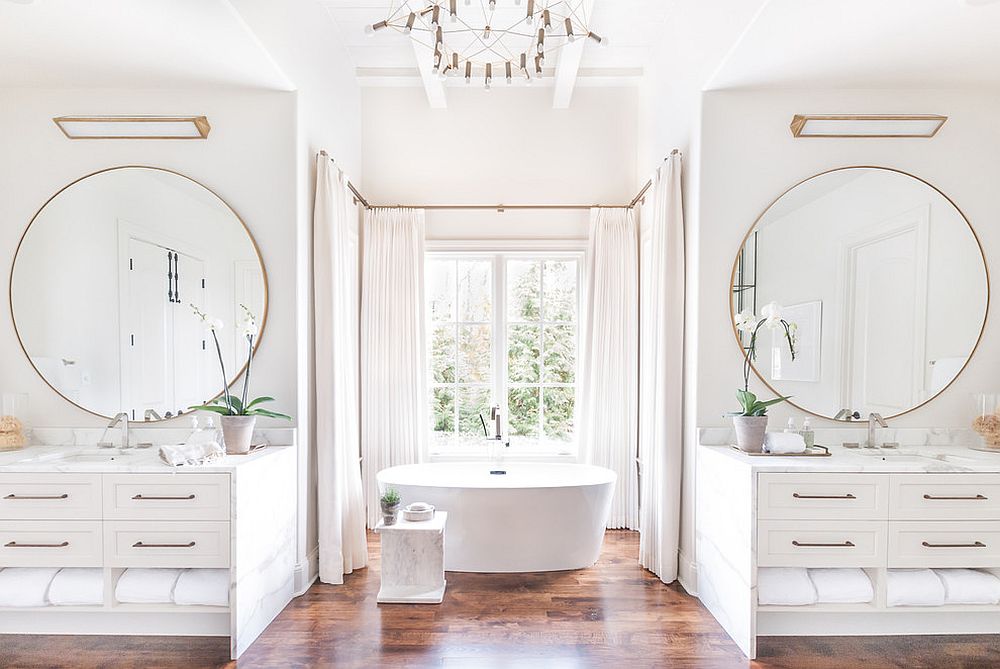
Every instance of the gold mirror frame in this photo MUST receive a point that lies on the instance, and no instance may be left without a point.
(17, 250)
(756, 222)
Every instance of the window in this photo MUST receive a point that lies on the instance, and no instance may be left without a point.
(503, 329)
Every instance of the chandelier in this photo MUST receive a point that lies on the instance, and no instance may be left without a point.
(485, 40)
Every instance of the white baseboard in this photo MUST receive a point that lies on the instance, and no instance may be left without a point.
(306, 573)
(687, 574)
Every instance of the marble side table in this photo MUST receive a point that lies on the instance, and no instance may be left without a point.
(413, 561)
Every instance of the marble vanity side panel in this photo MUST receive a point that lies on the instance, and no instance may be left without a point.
(263, 540)
(725, 544)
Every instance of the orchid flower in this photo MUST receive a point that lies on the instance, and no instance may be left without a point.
(745, 321)
(772, 315)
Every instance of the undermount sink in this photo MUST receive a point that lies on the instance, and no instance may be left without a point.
(91, 455)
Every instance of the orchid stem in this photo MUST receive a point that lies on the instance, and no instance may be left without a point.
(246, 377)
(225, 381)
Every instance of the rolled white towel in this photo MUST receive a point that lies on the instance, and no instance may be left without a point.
(77, 587)
(913, 587)
(969, 586)
(785, 586)
(147, 586)
(202, 587)
(842, 586)
(784, 442)
(25, 586)
(191, 454)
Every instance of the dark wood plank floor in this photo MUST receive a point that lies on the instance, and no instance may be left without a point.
(612, 615)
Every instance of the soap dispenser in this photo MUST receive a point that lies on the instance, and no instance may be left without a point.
(790, 427)
(807, 433)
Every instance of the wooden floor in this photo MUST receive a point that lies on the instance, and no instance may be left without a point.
(613, 615)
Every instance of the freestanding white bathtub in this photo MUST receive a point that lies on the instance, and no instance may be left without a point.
(536, 517)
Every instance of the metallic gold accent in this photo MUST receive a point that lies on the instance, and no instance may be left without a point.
(14, 544)
(972, 498)
(13, 496)
(847, 496)
(178, 497)
(200, 122)
(974, 544)
(139, 544)
(802, 544)
(799, 123)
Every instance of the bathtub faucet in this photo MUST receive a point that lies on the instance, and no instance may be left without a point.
(495, 417)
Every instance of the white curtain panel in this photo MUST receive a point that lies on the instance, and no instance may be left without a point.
(393, 376)
(662, 373)
(342, 541)
(609, 406)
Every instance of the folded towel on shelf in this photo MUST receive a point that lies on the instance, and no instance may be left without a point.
(784, 442)
(969, 586)
(202, 587)
(25, 586)
(785, 586)
(77, 587)
(147, 586)
(191, 454)
(913, 587)
(842, 586)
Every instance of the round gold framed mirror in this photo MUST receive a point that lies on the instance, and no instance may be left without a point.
(885, 280)
(105, 282)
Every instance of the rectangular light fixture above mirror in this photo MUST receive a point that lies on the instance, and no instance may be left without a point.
(134, 127)
(857, 125)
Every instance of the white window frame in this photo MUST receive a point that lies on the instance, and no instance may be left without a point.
(499, 250)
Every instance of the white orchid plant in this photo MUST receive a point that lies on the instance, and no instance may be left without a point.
(228, 404)
(747, 323)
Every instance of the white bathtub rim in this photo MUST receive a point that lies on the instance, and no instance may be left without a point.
(390, 475)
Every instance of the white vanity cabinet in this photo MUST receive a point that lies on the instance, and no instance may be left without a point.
(236, 515)
(758, 512)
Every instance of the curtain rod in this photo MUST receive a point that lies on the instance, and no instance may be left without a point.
(359, 198)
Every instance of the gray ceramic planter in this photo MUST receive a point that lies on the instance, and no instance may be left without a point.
(750, 432)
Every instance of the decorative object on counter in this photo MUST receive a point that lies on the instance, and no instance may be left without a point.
(418, 511)
(807, 433)
(784, 443)
(389, 502)
(238, 414)
(987, 420)
(191, 454)
(12, 430)
(815, 451)
(751, 421)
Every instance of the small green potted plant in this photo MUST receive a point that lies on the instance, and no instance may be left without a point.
(238, 414)
(390, 502)
(750, 421)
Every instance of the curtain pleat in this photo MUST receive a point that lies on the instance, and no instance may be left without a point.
(608, 422)
(393, 384)
(342, 541)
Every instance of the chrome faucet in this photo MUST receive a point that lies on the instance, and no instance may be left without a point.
(151, 414)
(495, 417)
(123, 419)
(874, 418)
(847, 414)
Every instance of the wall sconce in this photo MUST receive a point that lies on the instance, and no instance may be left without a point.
(876, 126)
(134, 127)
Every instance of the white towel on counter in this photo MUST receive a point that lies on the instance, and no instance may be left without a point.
(191, 454)
(785, 586)
(147, 586)
(77, 587)
(202, 587)
(969, 586)
(25, 586)
(842, 586)
(784, 442)
(913, 587)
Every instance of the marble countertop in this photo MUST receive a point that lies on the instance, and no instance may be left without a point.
(52, 458)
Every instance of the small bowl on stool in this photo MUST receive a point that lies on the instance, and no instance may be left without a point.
(418, 511)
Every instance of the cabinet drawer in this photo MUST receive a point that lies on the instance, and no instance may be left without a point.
(944, 496)
(833, 496)
(166, 496)
(944, 544)
(50, 496)
(50, 543)
(823, 543)
(133, 543)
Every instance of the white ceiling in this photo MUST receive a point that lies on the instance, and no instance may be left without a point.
(130, 43)
(867, 44)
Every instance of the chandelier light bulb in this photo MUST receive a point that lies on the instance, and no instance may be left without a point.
(601, 41)
(468, 71)
(569, 30)
(547, 19)
(453, 10)
(436, 16)
(493, 5)
(486, 32)
(410, 20)
(541, 40)
(375, 27)
(531, 11)
(507, 68)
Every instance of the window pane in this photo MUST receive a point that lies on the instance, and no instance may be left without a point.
(443, 409)
(472, 401)
(559, 413)
(560, 353)
(524, 352)
(443, 354)
(523, 406)
(441, 290)
(475, 351)
(524, 285)
(475, 290)
(560, 290)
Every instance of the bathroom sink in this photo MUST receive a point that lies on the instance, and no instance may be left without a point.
(91, 455)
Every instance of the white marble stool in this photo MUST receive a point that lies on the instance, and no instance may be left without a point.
(413, 561)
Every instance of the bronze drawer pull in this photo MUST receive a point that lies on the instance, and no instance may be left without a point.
(846, 544)
(974, 544)
(139, 544)
(140, 496)
(847, 496)
(973, 498)
(14, 544)
(13, 496)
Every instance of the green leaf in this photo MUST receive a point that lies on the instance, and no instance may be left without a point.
(223, 411)
(746, 400)
(259, 400)
(269, 414)
(237, 405)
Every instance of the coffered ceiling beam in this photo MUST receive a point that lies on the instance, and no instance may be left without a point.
(569, 63)
(424, 54)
